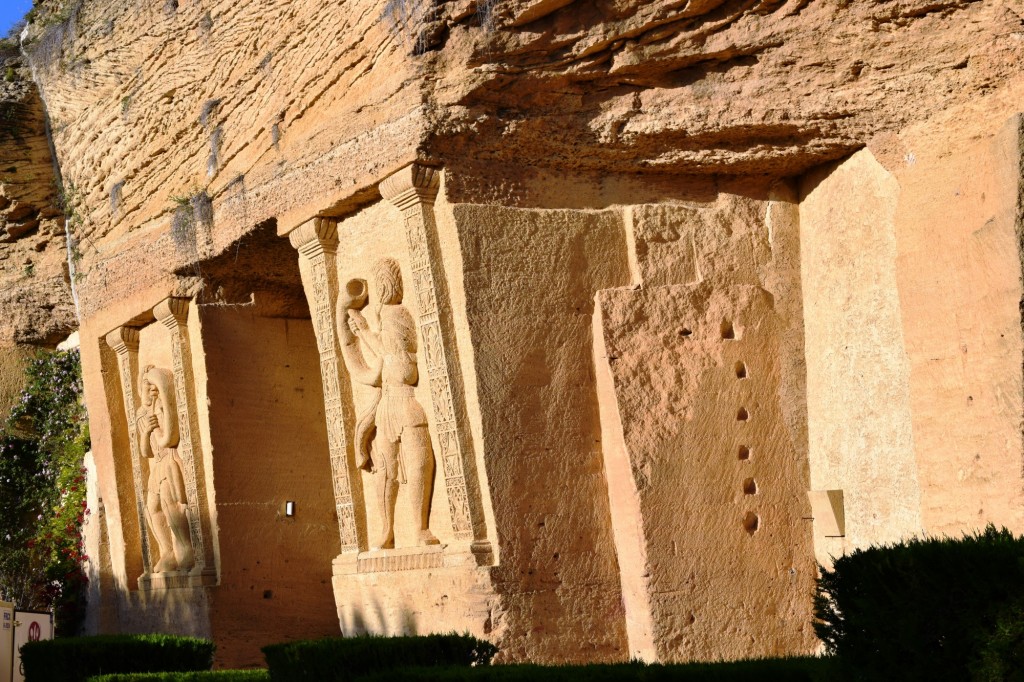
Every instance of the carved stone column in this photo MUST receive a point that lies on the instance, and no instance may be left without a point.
(125, 342)
(317, 244)
(413, 191)
(173, 314)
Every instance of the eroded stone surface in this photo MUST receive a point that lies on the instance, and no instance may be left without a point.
(34, 286)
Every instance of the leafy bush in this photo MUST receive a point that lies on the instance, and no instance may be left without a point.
(776, 670)
(921, 609)
(200, 676)
(1001, 654)
(76, 659)
(42, 446)
(341, 658)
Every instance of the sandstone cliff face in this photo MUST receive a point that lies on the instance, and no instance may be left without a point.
(722, 87)
(34, 290)
(269, 106)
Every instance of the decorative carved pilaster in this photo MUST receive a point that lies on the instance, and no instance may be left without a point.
(173, 314)
(125, 342)
(413, 191)
(317, 244)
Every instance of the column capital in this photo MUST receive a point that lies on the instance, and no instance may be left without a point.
(124, 339)
(172, 312)
(317, 235)
(414, 184)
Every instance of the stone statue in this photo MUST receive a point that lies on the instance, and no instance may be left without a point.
(165, 491)
(391, 435)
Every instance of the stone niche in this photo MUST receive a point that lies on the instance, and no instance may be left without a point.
(165, 452)
(161, 525)
(415, 553)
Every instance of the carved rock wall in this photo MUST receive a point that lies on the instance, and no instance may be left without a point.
(958, 232)
(856, 359)
(912, 285)
(240, 101)
(695, 368)
(258, 104)
(724, 86)
(530, 278)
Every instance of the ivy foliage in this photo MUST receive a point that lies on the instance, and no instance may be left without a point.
(42, 485)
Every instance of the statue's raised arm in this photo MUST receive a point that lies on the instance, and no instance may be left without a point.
(352, 327)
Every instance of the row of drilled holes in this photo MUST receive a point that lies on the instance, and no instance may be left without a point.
(751, 522)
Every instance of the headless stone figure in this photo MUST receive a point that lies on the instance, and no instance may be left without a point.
(392, 435)
(165, 490)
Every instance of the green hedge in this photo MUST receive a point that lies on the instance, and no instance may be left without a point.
(76, 659)
(924, 609)
(201, 676)
(776, 670)
(346, 658)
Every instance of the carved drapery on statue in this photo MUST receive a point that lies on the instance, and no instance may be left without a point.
(158, 433)
(166, 457)
(391, 436)
(173, 314)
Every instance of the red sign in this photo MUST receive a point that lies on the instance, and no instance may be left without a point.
(34, 632)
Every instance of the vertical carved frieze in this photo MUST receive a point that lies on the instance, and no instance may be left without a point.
(173, 314)
(125, 342)
(413, 190)
(317, 244)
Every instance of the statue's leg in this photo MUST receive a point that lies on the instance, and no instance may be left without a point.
(419, 468)
(162, 533)
(388, 492)
(178, 522)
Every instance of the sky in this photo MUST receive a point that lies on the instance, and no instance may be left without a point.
(10, 12)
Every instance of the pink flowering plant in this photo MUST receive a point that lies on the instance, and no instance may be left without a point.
(42, 492)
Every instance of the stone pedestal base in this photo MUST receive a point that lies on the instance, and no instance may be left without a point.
(176, 579)
(415, 591)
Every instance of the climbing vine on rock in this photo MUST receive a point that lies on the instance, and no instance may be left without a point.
(42, 492)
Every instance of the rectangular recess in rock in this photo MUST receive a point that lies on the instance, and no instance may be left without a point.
(713, 546)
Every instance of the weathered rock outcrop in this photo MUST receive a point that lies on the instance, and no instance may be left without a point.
(34, 287)
(721, 86)
(265, 106)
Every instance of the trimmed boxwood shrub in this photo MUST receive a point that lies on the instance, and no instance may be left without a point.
(920, 610)
(346, 658)
(201, 676)
(776, 670)
(76, 659)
